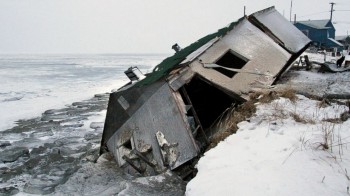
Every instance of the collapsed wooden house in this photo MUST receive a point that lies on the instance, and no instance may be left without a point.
(164, 120)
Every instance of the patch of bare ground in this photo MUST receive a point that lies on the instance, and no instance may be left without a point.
(343, 117)
(228, 124)
(301, 119)
(288, 93)
(323, 103)
(269, 96)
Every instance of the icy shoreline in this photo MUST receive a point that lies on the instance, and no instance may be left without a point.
(56, 142)
(32, 84)
(58, 153)
(51, 147)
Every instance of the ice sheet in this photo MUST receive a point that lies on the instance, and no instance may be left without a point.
(31, 84)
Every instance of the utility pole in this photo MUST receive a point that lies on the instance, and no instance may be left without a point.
(290, 14)
(244, 11)
(332, 4)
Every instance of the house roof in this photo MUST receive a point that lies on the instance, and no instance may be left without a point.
(283, 33)
(317, 24)
(171, 62)
(335, 42)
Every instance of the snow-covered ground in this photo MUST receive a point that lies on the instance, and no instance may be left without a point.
(31, 84)
(273, 154)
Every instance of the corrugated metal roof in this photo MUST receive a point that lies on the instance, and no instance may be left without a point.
(317, 24)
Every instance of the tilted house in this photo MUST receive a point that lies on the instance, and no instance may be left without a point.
(321, 32)
(165, 120)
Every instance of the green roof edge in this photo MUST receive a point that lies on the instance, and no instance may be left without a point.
(170, 63)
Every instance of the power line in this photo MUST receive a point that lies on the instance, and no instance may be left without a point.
(341, 22)
(313, 14)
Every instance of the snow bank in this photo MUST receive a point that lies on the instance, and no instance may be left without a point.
(275, 155)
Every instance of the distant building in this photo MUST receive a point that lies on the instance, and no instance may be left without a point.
(321, 32)
(345, 40)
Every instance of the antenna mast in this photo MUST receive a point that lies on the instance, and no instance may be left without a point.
(290, 14)
(332, 4)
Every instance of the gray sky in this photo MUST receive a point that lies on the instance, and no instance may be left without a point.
(135, 26)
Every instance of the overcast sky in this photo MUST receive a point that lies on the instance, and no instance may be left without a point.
(135, 26)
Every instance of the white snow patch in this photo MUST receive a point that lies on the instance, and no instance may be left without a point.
(275, 155)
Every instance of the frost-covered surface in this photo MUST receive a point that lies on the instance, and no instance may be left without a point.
(316, 83)
(293, 39)
(40, 153)
(272, 154)
(55, 150)
(275, 155)
(31, 84)
(319, 84)
(106, 178)
(56, 154)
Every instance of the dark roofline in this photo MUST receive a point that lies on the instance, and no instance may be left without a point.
(313, 20)
(305, 22)
(263, 11)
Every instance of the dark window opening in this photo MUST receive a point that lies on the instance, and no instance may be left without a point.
(128, 145)
(230, 60)
(208, 101)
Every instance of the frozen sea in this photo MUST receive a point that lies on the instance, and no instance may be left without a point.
(52, 111)
(31, 84)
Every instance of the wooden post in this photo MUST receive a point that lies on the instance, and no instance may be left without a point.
(132, 165)
(195, 115)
